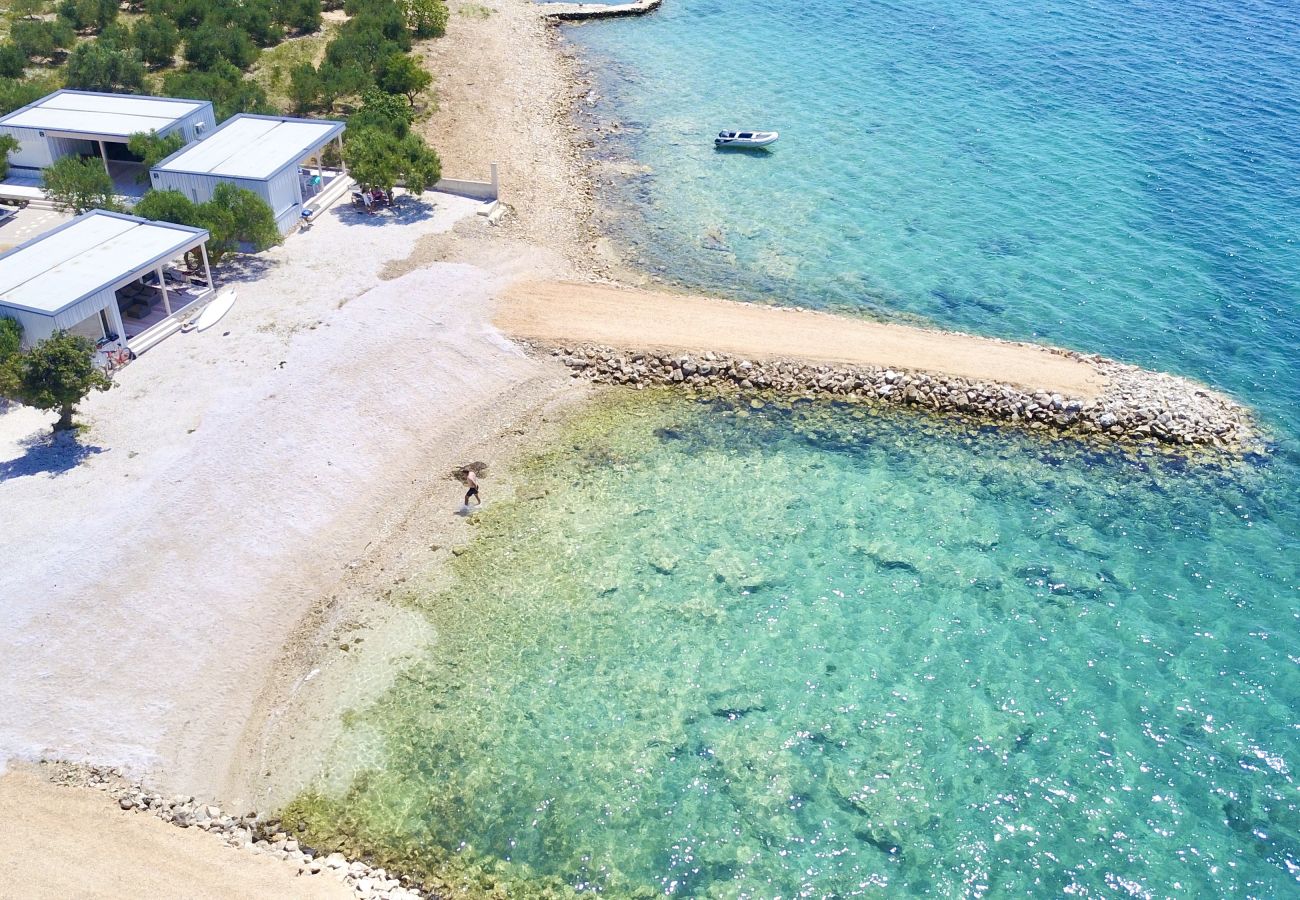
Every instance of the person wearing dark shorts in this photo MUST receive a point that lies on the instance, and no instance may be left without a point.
(472, 480)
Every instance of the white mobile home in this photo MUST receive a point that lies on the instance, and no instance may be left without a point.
(268, 155)
(106, 276)
(83, 123)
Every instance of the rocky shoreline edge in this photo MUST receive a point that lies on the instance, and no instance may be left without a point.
(243, 831)
(1137, 405)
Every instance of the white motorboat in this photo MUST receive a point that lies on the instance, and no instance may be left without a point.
(749, 139)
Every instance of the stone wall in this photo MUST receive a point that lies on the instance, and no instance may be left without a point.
(1137, 404)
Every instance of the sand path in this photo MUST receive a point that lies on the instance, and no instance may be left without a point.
(566, 312)
(104, 852)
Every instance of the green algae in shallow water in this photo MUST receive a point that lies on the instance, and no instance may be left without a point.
(807, 650)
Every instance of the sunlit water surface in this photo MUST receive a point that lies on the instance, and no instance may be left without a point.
(814, 651)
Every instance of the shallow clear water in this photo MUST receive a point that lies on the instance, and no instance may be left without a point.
(814, 651)
(807, 651)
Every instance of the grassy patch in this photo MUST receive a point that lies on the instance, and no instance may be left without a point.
(474, 10)
(272, 68)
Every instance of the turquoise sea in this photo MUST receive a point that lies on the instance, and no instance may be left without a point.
(735, 649)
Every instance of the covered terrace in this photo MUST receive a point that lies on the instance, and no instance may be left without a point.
(119, 280)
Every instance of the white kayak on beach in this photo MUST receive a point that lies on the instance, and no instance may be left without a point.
(213, 312)
(745, 138)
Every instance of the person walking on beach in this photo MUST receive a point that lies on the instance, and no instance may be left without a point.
(472, 480)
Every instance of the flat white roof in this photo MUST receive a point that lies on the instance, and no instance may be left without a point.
(56, 270)
(101, 115)
(248, 146)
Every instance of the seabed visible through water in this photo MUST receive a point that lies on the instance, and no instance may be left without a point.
(808, 649)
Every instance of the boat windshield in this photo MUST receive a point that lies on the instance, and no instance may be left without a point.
(745, 135)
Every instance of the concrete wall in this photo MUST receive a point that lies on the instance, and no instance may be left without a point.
(477, 190)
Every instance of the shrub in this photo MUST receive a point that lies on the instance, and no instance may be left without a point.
(256, 19)
(38, 39)
(387, 112)
(211, 44)
(234, 217)
(152, 149)
(88, 15)
(168, 206)
(305, 87)
(426, 18)
(399, 73)
(224, 85)
(13, 62)
(301, 16)
(15, 94)
(8, 144)
(57, 374)
(76, 185)
(157, 38)
(95, 66)
(11, 342)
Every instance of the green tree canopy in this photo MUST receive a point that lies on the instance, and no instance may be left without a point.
(14, 94)
(387, 112)
(57, 374)
(156, 37)
(305, 87)
(13, 61)
(8, 144)
(256, 18)
(379, 158)
(11, 342)
(211, 44)
(38, 39)
(426, 18)
(227, 88)
(187, 14)
(27, 9)
(300, 16)
(153, 149)
(11, 338)
(234, 218)
(400, 73)
(88, 15)
(168, 206)
(96, 66)
(76, 185)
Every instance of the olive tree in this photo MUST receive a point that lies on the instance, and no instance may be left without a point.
(11, 341)
(400, 73)
(101, 66)
(153, 148)
(76, 185)
(57, 374)
(8, 144)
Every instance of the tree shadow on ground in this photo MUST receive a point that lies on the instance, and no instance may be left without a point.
(242, 267)
(48, 454)
(406, 211)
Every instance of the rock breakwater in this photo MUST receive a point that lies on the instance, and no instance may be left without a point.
(244, 831)
(1136, 405)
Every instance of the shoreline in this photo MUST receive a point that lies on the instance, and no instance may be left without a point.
(636, 337)
(338, 590)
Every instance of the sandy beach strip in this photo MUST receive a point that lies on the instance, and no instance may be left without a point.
(570, 312)
(61, 841)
